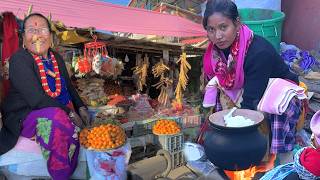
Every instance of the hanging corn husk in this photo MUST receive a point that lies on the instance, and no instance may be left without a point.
(164, 84)
(159, 69)
(138, 59)
(183, 77)
(141, 71)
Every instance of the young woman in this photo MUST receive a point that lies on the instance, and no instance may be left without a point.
(239, 64)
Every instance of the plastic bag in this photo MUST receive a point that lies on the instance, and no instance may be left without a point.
(109, 165)
(196, 158)
(96, 63)
(284, 46)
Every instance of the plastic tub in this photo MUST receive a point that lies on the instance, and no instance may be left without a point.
(264, 22)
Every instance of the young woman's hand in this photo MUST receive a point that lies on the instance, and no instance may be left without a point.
(213, 82)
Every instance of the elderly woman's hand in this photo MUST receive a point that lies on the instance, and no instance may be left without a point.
(85, 116)
(75, 118)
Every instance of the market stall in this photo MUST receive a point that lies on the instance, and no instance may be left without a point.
(137, 84)
(144, 90)
(144, 98)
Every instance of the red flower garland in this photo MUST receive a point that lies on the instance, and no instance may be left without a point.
(43, 76)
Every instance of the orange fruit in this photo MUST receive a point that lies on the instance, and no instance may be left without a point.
(163, 126)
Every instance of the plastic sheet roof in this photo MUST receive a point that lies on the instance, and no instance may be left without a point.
(106, 16)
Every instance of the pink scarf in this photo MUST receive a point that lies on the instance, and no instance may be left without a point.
(209, 63)
(232, 80)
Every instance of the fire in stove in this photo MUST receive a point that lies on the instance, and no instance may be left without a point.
(250, 173)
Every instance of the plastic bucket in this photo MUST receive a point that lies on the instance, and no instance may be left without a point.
(264, 22)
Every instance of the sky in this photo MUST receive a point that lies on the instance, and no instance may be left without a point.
(120, 2)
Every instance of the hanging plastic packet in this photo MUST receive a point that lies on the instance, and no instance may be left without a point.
(74, 62)
(84, 65)
(126, 59)
(107, 67)
(96, 63)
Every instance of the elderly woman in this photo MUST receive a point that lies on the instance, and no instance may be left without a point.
(240, 63)
(42, 104)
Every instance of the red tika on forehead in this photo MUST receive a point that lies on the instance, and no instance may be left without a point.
(35, 23)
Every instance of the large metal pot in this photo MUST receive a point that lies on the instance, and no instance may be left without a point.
(235, 148)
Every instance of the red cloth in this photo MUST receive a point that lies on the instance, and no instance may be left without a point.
(310, 159)
(10, 44)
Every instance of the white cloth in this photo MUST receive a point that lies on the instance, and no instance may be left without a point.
(26, 159)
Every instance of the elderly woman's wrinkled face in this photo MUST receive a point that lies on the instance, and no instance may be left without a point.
(221, 30)
(37, 37)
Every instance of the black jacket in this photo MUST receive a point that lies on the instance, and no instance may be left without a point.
(26, 94)
(261, 63)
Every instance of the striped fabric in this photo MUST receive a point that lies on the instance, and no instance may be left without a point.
(283, 127)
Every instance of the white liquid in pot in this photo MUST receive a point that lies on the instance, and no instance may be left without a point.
(236, 121)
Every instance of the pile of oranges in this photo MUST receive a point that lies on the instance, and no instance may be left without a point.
(165, 126)
(102, 137)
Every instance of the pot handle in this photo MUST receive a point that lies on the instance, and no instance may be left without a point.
(203, 129)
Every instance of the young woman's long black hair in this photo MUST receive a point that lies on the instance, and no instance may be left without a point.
(225, 7)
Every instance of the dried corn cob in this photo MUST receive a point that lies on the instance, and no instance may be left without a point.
(141, 71)
(164, 84)
(183, 77)
(159, 68)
